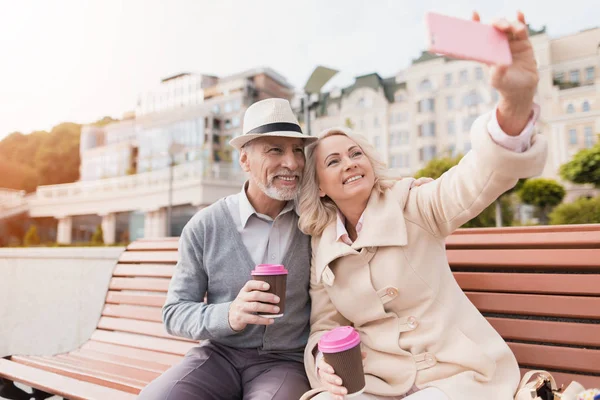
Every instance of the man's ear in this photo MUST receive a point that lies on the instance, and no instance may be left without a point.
(244, 160)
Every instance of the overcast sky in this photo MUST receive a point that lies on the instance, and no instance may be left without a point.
(78, 60)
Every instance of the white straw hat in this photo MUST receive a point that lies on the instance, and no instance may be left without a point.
(270, 117)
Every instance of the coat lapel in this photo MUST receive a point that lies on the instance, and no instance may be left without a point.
(383, 225)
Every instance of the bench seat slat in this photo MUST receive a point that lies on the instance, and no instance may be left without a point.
(133, 312)
(149, 257)
(124, 371)
(169, 346)
(60, 385)
(142, 327)
(556, 357)
(136, 299)
(548, 259)
(119, 360)
(540, 305)
(103, 379)
(583, 284)
(530, 240)
(547, 331)
(135, 353)
(153, 245)
(145, 284)
(144, 270)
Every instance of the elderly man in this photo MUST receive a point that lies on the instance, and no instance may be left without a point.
(244, 356)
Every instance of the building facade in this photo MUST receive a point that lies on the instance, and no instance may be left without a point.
(168, 158)
(427, 109)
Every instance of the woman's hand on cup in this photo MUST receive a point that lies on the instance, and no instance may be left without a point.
(332, 382)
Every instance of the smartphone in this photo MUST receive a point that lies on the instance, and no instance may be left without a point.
(466, 39)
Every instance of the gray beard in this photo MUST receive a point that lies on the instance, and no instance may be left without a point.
(275, 193)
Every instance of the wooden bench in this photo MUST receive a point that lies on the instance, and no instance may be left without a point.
(540, 289)
(129, 348)
(538, 286)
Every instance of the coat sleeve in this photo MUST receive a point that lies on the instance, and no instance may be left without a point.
(484, 173)
(323, 317)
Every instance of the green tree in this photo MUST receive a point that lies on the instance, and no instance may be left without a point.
(584, 167)
(437, 166)
(542, 193)
(488, 217)
(98, 236)
(31, 237)
(349, 123)
(581, 211)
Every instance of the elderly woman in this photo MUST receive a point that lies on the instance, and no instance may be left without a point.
(379, 261)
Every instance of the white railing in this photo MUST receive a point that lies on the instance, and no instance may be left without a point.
(199, 171)
(11, 198)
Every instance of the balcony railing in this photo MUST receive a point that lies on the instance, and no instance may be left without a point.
(198, 171)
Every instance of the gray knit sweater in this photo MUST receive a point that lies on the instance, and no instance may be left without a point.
(214, 260)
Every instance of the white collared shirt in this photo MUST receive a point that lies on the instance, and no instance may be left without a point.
(266, 239)
(518, 144)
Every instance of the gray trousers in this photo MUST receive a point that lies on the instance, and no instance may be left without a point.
(216, 372)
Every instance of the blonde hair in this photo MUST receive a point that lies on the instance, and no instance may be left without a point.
(317, 212)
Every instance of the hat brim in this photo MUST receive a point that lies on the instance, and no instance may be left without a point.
(240, 141)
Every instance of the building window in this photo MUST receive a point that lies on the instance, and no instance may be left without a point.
(376, 122)
(362, 124)
(472, 99)
(451, 127)
(559, 77)
(391, 119)
(574, 76)
(586, 106)
(235, 121)
(427, 105)
(399, 97)
(228, 108)
(361, 102)
(427, 129)
(448, 79)
(589, 74)
(495, 95)
(572, 136)
(227, 124)
(570, 109)
(237, 104)
(450, 103)
(463, 76)
(216, 109)
(588, 137)
(425, 85)
(479, 73)
(401, 117)
(451, 150)
(427, 153)
(377, 142)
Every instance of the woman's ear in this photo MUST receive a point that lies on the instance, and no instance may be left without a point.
(322, 193)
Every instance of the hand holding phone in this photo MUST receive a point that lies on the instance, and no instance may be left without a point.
(466, 39)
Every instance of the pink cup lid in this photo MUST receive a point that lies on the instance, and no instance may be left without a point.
(269, 269)
(339, 339)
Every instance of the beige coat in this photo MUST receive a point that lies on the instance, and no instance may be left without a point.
(395, 286)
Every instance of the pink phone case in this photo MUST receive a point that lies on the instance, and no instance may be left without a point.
(466, 39)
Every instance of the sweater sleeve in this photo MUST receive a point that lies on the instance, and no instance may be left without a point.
(185, 313)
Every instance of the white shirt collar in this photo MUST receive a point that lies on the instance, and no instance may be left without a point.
(247, 210)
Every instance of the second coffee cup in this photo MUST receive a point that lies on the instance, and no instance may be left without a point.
(276, 276)
(341, 350)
